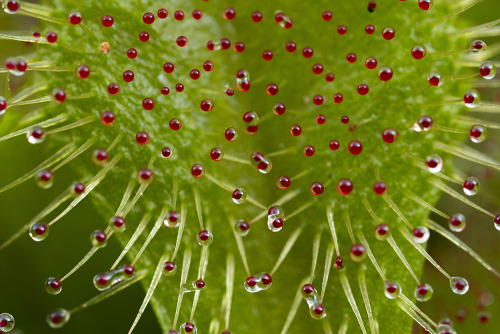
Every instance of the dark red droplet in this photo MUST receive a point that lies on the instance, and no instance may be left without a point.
(107, 21)
(344, 186)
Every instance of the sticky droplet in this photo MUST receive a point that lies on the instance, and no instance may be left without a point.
(392, 290)
(421, 234)
(459, 285)
(53, 286)
(35, 135)
(106, 280)
(259, 282)
(39, 231)
(471, 186)
(44, 179)
(169, 268)
(434, 163)
(58, 318)
(204, 238)
(7, 322)
(423, 292)
(239, 196)
(242, 227)
(457, 222)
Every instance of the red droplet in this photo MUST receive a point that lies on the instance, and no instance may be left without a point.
(108, 118)
(113, 88)
(329, 77)
(162, 13)
(179, 87)
(82, 72)
(148, 103)
(194, 74)
(51, 37)
(342, 30)
(229, 13)
(142, 138)
(267, 55)
(107, 21)
(345, 186)
(327, 15)
(168, 67)
(291, 46)
(197, 14)
(351, 58)
(355, 147)
(307, 52)
(390, 135)
(165, 91)
(380, 188)
(317, 68)
(320, 119)
(182, 41)
(272, 89)
(75, 17)
(363, 89)
(369, 29)
(334, 145)
(128, 76)
(317, 188)
(132, 53)
(179, 15)
(338, 98)
(309, 151)
(148, 18)
(256, 17)
(371, 63)
(295, 130)
(175, 124)
(239, 47)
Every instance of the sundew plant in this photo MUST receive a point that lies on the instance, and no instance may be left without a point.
(255, 166)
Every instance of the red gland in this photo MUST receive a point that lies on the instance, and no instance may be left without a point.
(344, 186)
(206, 105)
(295, 130)
(334, 145)
(338, 98)
(148, 103)
(284, 182)
(197, 14)
(380, 188)
(107, 21)
(194, 74)
(279, 109)
(355, 147)
(198, 171)
(168, 67)
(344, 119)
(272, 89)
(371, 6)
(204, 235)
(317, 69)
(239, 47)
(371, 63)
(291, 47)
(231, 134)
(385, 73)
(390, 135)
(216, 154)
(165, 91)
(308, 289)
(59, 95)
(166, 152)
(369, 29)
(113, 88)
(179, 15)
(320, 119)
(229, 13)
(342, 30)
(309, 151)
(148, 18)
(118, 221)
(307, 52)
(179, 87)
(132, 53)
(251, 281)
(182, 41)
(363, 89)
(318, 100)
(78, 188)
(267, 55)
(208, 66)
(351, 58)
(388, 33)
(200, 284)
(266, 279)
(175, 124)
(144, 36)
(108, 118)
(327, 15)
(142, 138)
(128, 76)
(256, 17)
(51, 37)
(83, 72)
(75, 17)
(162, 13)
(317, 188)
(339, 263)
(329, 77)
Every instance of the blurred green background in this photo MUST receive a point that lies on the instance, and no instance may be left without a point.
(25, 298)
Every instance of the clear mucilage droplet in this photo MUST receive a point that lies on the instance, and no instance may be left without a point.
(239, 196)
(259, 282)
(392, 290)
(423, 292)
(58, 318)
(7, 322)
(38, 231)
(106, 280)
(457, 222)
(275, 218)
(311, 296)
(53, 286)
(459, 285)
(35, 135)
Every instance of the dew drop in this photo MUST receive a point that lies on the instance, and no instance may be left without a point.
(371, 63)
(204, 238)
(471, 186)
(198, 170)
(317, 188)
(385, 73)
(53, 286)
(169, 268)
(295, 130)
(423, 292)
(7, 322)
(279, 109)
(242, 227)
(239, 196)
(110, 278)
(58, 318)
(392, 290)
(459, 285)
(39, 231)
(421, 234)
(44, 179)
(457, 222)
(434, 163)
(477, 133)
